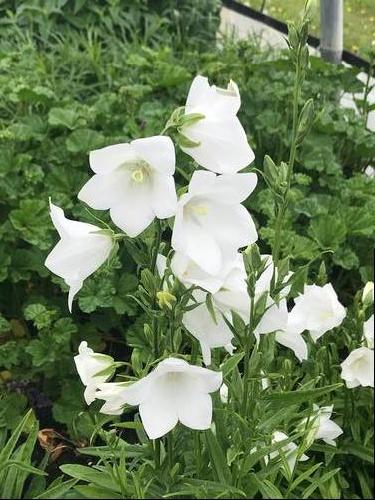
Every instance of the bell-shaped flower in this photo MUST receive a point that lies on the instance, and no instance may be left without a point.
(210, 331)
(288, 453)
(135, 181)
(317, 310)
(368, 331)
(358, 368)
(210, 223)
(82, 249)
(321, 425)
(174, 391)
(93, 368)
(218, 140)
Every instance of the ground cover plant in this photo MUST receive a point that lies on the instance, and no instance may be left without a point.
(139, 309)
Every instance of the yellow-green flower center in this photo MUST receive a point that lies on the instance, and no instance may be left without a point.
(140, 172)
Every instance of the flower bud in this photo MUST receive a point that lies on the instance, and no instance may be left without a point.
(368, 293)
(165, 299)
(224, 393)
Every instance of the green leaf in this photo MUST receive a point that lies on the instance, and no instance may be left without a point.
(32, 222)
(319, 481)
(97, 475)
(84, 140)
(329, 231)
(65, 117)
(57, 491)
(218, 458)
(230, 364)
(268, 489)
(40, 315)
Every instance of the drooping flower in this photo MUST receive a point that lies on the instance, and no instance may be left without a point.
(93, 368)
(82, 249)
(210, 223)
(210, 332)
(317, 310)
(322, 427)
(220, 141)
(289, 335)
(135, 181)
(358, 368)
(289, 452)
(173, 392)
(368, 331)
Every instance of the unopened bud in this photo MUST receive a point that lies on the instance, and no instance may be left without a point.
(165, 299)
(368, 293)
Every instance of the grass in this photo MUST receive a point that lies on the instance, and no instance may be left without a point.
(359, 19)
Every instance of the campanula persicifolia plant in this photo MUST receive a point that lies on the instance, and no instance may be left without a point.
(209, 297)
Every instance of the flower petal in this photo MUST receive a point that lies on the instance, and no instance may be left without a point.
(159, 411)
(158, 151)
(293, 341)
(105, 160)
(223, 145)
(163, 196)
(101, 192)
(134, 214)
(201, 325)
(195, 409)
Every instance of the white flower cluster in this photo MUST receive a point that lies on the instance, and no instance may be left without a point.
(135, 183)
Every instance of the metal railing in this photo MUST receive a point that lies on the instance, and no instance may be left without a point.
(330, 44)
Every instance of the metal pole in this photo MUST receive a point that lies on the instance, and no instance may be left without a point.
(331, 30)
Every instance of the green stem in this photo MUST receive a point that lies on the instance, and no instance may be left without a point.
(292, 156)
(194, 352)
(170, 449)
(157, 453)
(247, 359)
(154, 256)
(171, 331)
(156, 246)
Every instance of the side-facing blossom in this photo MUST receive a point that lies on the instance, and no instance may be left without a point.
(210, 332)
(114, 395)
(93, 368)
(358, 368)
(220, 141)
(290, 336)
(289, 452)
(317, 310)
(368, 331)
(82, 249)
(210, 223)
(321, 425)
(135, 181)
(173, 392)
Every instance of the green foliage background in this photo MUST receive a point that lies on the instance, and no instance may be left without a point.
(78, 75)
